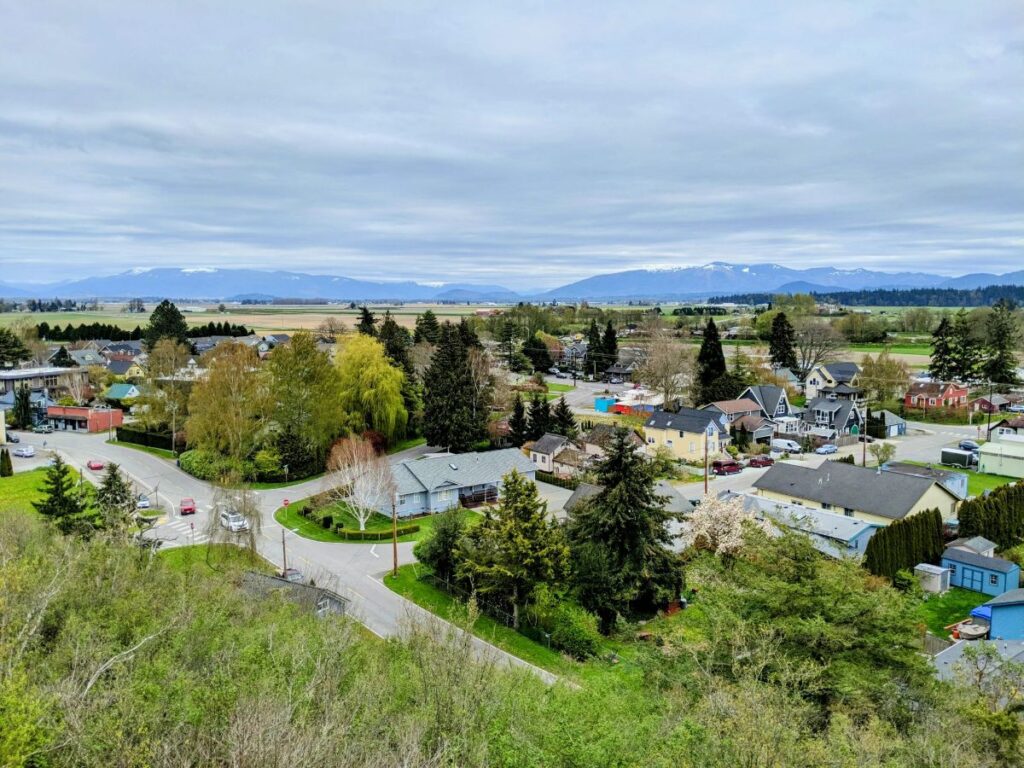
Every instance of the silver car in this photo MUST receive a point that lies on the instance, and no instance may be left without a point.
(234, 521)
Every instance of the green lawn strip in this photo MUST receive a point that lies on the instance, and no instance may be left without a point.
(213, 557)
(977, 482)
(289, 517)
(21, 489)
(554, 387)
(162, 453)
(282, 484)
(404, 445)
(939, 611)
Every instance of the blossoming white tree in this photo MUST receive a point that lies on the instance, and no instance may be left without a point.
(719, 525)
(360, 478)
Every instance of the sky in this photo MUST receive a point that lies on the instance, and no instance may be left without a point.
(524, 144)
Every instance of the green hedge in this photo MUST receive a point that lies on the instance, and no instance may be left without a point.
(148, 439)
(998, 517)
(403, 530)
(210, 466)
(905, 543)
(562, 482)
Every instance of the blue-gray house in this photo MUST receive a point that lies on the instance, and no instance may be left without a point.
(439, 483)
(988, 575)
(1006, 621)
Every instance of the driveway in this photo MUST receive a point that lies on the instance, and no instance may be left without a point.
(353, 570)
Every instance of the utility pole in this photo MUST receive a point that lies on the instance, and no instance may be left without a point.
(706, 434)
(284, 555)
(988, 410)
(394, 537)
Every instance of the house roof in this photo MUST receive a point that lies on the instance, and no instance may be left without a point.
(120, 391)
(842, 388)
(885, 494)
(997, 447)
(842, 410)
(19, 374)
(459, 470)
(1017, 422)
(995, 399)
(120, 367)
(549, 443)
(602, 435)
(917, 470)
(767, 395)
(1010, 597)
(741, 405)
(572, 457)
(966, 557)
(684, 420)
(889, 418)
(123, 347)
(677, 503)
(930, 388)
(754, 422)
(977, 544)
(844, 371)
(819, 522)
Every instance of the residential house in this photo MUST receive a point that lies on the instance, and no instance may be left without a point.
(83, 358)
(574, 354)
(277, 339)
(1002, 455)
(83, 419)
(119, 393)
(596, 441)
(773, 400)
(885, 424)
(935, 394)
(830, 375)
(828, 417)
(50, 379)
(571, 461)
(437, 483)
(734, 409)
(979, 573)
(865, 494)
(543, 450)
(125, 368)
(39, 401)
(956, 482)
(676, 502)
(759, 428)
(1011, 426)
(687, 433)
(129, 349)
(787, 377)
(832, 534)
(96, 345)
(994, 403)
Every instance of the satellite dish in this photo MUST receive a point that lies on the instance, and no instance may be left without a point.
(724, 419)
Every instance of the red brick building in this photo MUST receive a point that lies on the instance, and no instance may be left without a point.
(83, 419)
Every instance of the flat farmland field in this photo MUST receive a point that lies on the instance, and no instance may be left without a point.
(261, 318)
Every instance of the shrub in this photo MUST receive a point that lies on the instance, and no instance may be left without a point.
(575, 632)
(268, 466)
(571, 483)
(326, 521)
(403, 530)
(207, 465)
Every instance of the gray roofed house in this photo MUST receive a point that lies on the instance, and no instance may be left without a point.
(772, 399)
(856, 491)
(843, 372)
(830, 416)
(677, 503)
(956, 482)
(685, 420)
(120, 367)
(438, 483)
(544, 450)
(86, 357)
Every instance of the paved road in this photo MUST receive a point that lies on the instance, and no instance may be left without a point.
(353, 570)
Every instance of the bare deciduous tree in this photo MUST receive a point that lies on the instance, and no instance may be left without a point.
(420, 356)
(668, 366)
(360, 478)
(816, 343)
(330, 329)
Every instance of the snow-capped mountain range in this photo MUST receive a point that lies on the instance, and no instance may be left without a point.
(682, 282)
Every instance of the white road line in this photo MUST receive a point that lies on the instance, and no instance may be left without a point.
(373, 551)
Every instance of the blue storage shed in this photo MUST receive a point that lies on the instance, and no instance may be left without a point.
(988, 575)
(603, 404)
(1007, 616)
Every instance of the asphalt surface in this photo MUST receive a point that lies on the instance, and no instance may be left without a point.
(353, 570)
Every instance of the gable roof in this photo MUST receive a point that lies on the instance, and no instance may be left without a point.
(818, 522)
(977, 544)
(549, 443)
(459, 470)
(1010, 597)
(676, 501)
(120, 367)
(684, 420)
(842, 410)
(602, 435)
(885, 494)
(120, 391)
(729, 407)
(966, 557)
(841, 372)
(931, 388)
(842, 388)
(889, 418)
(768, 396)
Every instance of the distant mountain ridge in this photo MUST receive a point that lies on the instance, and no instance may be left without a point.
(677, 283)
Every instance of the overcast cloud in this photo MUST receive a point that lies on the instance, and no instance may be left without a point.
(527, 144)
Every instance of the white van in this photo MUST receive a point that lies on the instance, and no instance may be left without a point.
(781, 445)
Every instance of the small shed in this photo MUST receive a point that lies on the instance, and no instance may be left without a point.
(603, 404)
(988, 575)
(892, 424)
(933, 578)
(1007, 616)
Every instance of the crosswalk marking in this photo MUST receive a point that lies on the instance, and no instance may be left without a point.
(184, 533)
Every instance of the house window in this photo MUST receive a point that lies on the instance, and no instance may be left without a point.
(668, 442)
(931, 401)
(401, 502)
(825, 505)
(847, 511)
(993, 579)
(650, 441)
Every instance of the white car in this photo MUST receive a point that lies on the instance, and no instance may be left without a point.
(142, 502)
(25, 452)
(1016, 408)
(234, 521)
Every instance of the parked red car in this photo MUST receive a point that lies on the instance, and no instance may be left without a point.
(761, 461)
(725, 467)
(94, 464)
(187, 507)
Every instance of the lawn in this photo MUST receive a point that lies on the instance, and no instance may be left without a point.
(162, 453)
(290, 518)
(19, 491)
(555, 387)
(213, 557)
(405, 445)
(977, 482)
(282, 484)
(939, 611)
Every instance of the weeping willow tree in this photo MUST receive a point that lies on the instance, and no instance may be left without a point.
(371, 389)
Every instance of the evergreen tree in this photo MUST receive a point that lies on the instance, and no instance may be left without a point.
(1003, 334)
(536, 351)
(965, 352)
(507, 555)
(595, 349)
(563, 422)
(467, 334)
(624, 531)
(448, 396)
(518, 425)
(61, 358)
(710, 366)
(427, 328)
(782, 343)
(942, 351)
(61, 501)
(540, 417)
(396, 343)
(22, 410)
(12, 350)
(507, 335)
(609, 346)
(367, 324)
(166, 322)
(115, 499)
(439, 549)
(6, 468)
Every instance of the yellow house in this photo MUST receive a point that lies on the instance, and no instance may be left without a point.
(682, 433)
(829, 376)
(857, 492)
